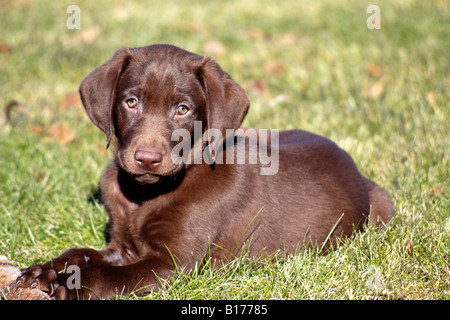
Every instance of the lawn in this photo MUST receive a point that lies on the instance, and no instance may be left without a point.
(381, 94)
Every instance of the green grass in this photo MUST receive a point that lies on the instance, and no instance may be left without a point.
(383, 95)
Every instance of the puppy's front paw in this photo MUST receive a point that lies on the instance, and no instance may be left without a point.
(44, 279)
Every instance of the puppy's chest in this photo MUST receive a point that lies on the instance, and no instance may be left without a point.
(147, 226)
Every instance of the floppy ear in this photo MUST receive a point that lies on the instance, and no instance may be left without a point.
(227, 103)
(98, 91)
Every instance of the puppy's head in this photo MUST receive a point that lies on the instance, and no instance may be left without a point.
(142, 95)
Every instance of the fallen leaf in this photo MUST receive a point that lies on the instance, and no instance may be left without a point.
(287, 39)
(375, 70)
(71, 100)
(409, 247)
(6, 5)
(215, 47)
(431, 98)
(375, 91)
(259, 86)
(274, 68)
(37, 128)
(102, 149)
(60, 133)
(87, 35)
(5, 48)
(255, 33)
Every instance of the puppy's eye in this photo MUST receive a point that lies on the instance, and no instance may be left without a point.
(132, 103)
(182, 110)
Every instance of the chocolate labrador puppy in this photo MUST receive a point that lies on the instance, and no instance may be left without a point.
(188, 184)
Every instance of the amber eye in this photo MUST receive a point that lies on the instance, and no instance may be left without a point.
(132, 103)
(182, 110)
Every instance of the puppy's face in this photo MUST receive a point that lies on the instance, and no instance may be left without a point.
(143, 95)
(155, 97)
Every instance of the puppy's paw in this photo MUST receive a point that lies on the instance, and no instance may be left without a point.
(44, 279)
(8, 284)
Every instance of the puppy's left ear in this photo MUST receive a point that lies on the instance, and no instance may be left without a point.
(227, 103)
(98, 91)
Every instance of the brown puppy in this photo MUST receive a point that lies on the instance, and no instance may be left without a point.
(187, 184)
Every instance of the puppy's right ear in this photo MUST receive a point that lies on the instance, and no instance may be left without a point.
(98, 91)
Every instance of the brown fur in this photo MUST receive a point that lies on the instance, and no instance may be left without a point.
(164, 214)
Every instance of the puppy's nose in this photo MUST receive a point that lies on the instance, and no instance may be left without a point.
(148, 159)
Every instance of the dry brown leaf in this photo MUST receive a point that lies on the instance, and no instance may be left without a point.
(409, 247)
(274, 67)
(102, 150)
(60, 133)
(71, 100)
(255, 33)
(5, 48)
(37, 128)
(259, 86)
(375, 70)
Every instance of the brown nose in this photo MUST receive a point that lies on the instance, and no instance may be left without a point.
(148, 159)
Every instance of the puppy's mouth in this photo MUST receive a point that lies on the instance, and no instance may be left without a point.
(152, 178)
(142, 169)
(147, 178)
